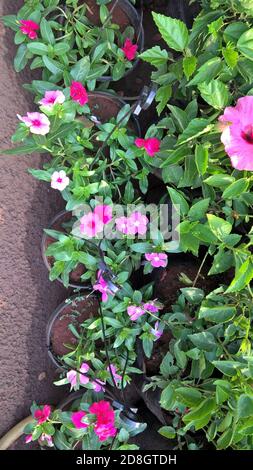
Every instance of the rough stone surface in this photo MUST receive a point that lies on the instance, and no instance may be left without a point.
(26, 295)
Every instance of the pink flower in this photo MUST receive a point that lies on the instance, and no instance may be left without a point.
(91, 224)
(112, 370)
(51, 98)
(137, 223)
(105, 431)
(122, 224)
(129, 49)
(103, 287)
(29, 28)
(157, 331)
(78, 93)
(135, 312)
(47, 438)
(77, 419)
(98, 386)
(237, 135)
(37, 122)
(28, 438)
(152, 307)
(157, 259)
(73, 376)
(59, 180)
(151, 145)
(104, 212)
(42, 415)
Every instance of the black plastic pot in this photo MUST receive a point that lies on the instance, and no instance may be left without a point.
(57, 218)
(115, 102)
(50, 324)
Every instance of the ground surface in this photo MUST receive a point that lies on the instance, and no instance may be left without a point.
(26, 206)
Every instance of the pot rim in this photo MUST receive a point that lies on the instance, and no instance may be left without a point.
(54, 315)
(118, 98)
(135, 19)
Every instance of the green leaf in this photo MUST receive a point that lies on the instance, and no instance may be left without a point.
(81, 69)
(225, 439)
(41, 175)
(174, 32)
(245, 406)
(189, 396)
(20, 59)
(162, 97)
(227, 367)
(167, 431)
(62, 131)
(214, 93)
(204, 340)
(142, 247)
(220, 227)
(205, 408)
(245, 44)
(219, 180)
(167, 398)
(38, 48)
(219, 314)
(22, 150)
(236, 188)
(201, 158)
(53, 65)
(222, 261)
(193, 294)
(118, 71)
(178, 199)
(189, 66)
(242, 278)
(207, 71)
(194, 129)
(155, 56)
(46, 31)
(198, 210)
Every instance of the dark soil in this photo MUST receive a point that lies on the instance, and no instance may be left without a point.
(119, 16)
(104, 107)
(58, 224)
(73, 314)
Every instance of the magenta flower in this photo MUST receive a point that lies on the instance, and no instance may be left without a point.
(91, 224)
(78, 93)
(104, 212)
(152, 307)
(157, 331)
(29, 28)
(112, 370)
(135, 312)
(77, 419)
(237, 135)
(137, 223)
(28, 438)
(122, 224)
(37, 122)
(42, 415)
(46, 437)
(59, 180)
(157, 260)
(105, 431)
(51, 98)
(98, 386)
(129, 49)
(73, 376)
(102, 286)
(151, 145)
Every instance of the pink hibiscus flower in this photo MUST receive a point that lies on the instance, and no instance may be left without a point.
(137, 223)
(151, 145)
(59, 180)
(29, 28)
(78, 93)
(157, 331)
(91, 224)
(129, 49)
(37, 122)
(42, 415)
(51, 98)
(104, 212)
(157, 260)
(77, 419)
(135, 312)
(73, 376)
(237, 135)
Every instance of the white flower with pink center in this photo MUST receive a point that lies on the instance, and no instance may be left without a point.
(38, 123)
(59, 180)
(51, 98)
